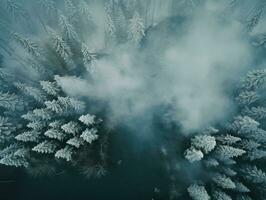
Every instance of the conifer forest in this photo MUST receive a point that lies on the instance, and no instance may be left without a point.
(132, 99)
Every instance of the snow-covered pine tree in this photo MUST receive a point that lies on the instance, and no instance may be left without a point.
(88, 58)
(42, 113)
(204, 142)
(55, 134)
(12, 160)
(36, 93)
(70, 9)
(247, 97)
(223, 181)
(84, 10)
(225, 152)
(193, 154)
(240, 187)
(60, 46)
(243, 197)
(8, 100)
(220, 195)
(255, 15)
(50, 87)
(67, 28)
(28, 136)
(75, 141)
(71, 127)
(31, 47)
(238, 145)
(197, 192)
(254, 80)
(253, 174)
(256, 113)
(65, 153)
(6, 129)
(228, 139)
(89, 135)
(136, 28)
(110, 30)
(48, 130)
(88, 119)
(46, 147)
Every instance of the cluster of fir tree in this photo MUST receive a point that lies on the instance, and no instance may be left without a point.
(40, 125)
(228, 163)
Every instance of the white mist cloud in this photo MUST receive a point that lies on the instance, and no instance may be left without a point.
(192, 73)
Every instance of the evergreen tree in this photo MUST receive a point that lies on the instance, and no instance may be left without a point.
(6, 129)
(8, 101)
(244, 125)
(36, 125)
(220, 195)
(249, 144)
(88, 119)
(240, 187)
(34, 92)
(88, 58)
(89, 135)
(56, 124)
(254, 19)
(247, 97)
(224, 152)
(70, 9)
(136, 28)
(84, 10)
(60, 46)
(31, 47)
(65, 153)
(223, 181)
(228, 139)
(75, 141)
(110, 30)
(254, 79)
(14, 161)
(67, 28)
(256, 113)
(253, 174)
(42, 113)
(197, 192)
(28, 136)
(55, 134)
(45, 147)
(71, 127)
(256, 154)
(193, 154)
(50, 87)
(211, 162)
(243, 197)
(205, 142)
